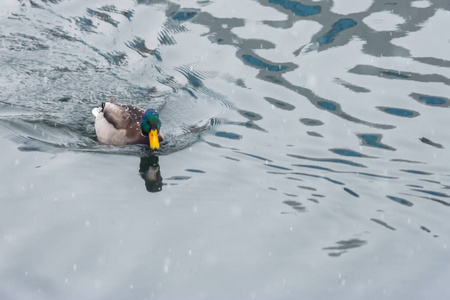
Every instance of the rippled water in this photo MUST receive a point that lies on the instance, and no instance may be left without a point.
(306, 153)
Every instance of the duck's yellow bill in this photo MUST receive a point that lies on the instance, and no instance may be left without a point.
(154, 140)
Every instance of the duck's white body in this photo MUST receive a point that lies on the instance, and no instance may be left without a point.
(119, 124)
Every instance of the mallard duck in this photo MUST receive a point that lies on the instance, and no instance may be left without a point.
(119, 124)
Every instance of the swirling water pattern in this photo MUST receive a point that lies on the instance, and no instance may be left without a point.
(307, 150)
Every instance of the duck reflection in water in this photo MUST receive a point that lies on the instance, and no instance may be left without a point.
(151, 173)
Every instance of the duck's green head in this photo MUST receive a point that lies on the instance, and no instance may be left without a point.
(150, 127)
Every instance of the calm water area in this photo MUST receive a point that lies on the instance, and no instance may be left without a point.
(306, 152)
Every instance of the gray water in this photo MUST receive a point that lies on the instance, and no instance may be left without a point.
(306, 153)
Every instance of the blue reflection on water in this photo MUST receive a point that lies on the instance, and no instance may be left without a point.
(399, 112)
(228, 135)
(351, 192)
(347, 152)
(327, 105)
(396, 74)
(438, 194)
(298, 8)
(373, 140)
(337, 27)
(184, 15)
(259, 63)
(431, 100)
(400, 200)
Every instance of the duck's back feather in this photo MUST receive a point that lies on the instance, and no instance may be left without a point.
(119, 124)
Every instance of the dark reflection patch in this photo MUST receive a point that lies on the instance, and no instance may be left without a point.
(318, 195)
(328, 105)
(228, 135)
(313, 133)
(337, 27)
(274, 79)
(307, 188)
(343, 246)
(116, 58)
(352, 87)
(232, 158)
(433, 61)
(437, 182)
(333, 160)
(165, 37)
(399, 112)
(318, 176)
(261, 64)
(314, 167)
(374, 140)
(400, 200)
(434, 101)
(415, 186)
(291, 195)
(102, 16)
(383, 224)
(85, 24)
(195, 171)
(406, 161)
(278, 167)
(248, 124)
(433, 193)
(347, 152)
(397, 75)
(252, 116)
(295, 205)
(276, 173)
(138, 45)
(351, 192)
(311, 122)
(436, 200)
(298, 8)
(375, 175)
(112, 8)
(194, 77)
(184, 14)
(255, 156)
(293, 178)
(179, 178)
(417, 172)
(431, 143)
(279, 104)
(425, 229)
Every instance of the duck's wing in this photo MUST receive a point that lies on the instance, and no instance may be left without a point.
(123, 116)
(119, 124)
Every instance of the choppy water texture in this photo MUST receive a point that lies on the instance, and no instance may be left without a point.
(306, 156)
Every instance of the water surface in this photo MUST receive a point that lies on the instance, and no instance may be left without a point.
(306, 150)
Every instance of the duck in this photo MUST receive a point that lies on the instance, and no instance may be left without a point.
(122, 124)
